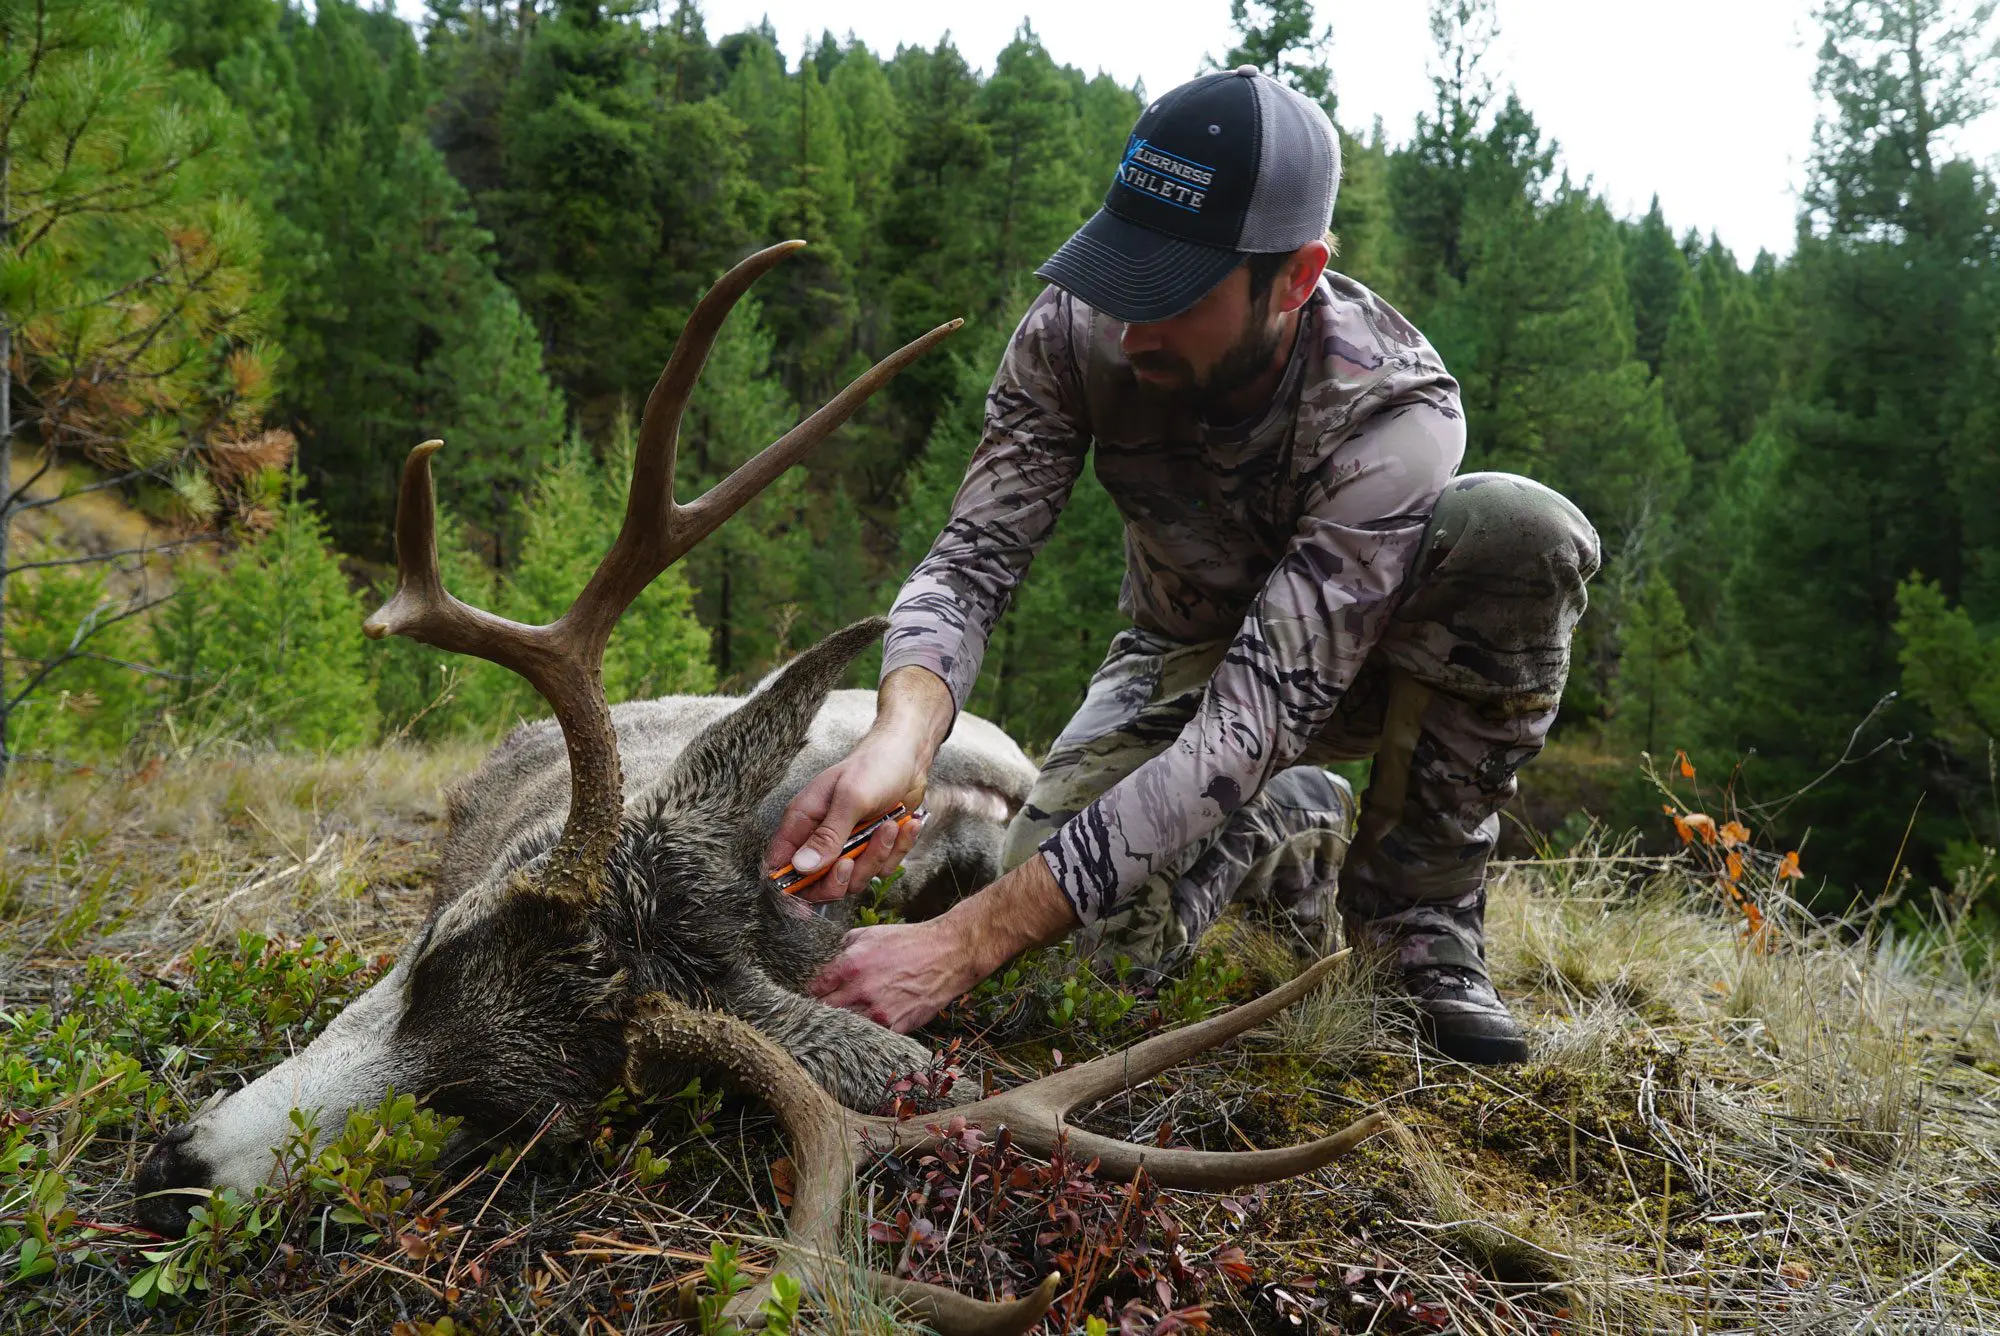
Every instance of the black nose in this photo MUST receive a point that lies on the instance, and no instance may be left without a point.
(169, 1166)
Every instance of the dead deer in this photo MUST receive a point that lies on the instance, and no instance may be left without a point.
(600, 915)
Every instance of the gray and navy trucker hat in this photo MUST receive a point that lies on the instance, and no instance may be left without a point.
(1227, 165)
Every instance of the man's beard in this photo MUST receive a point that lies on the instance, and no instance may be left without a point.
(1247, 359)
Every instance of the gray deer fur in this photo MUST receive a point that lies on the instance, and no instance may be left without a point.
(510, 1003)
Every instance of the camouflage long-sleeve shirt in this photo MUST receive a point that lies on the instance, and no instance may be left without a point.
(1293, 532)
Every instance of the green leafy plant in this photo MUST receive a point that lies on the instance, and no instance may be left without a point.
(223, 1233)
(369, 1173)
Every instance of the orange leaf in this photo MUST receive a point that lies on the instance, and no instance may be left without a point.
(1687, 836)
(1734, 833)
(1790, 866)
(1686, 766)
(785, 1179)
(1733, 867)
(1704, 824)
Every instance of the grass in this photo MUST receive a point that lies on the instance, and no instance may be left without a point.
(1797, 1136)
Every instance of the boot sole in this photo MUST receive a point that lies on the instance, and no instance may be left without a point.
(1479, 1050)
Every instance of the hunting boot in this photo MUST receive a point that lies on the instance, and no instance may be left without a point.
(1437, 955)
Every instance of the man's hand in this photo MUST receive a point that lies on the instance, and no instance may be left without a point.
(913, 712)
(902, 974)
(897, 974)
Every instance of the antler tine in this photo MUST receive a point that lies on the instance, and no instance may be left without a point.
(826, 1140)
(700, 517)
(1199, 1170)
(421, 608)
(1036, 1113)
(657, 530)
(1089, 1082)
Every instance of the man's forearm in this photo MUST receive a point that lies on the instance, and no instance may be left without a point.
(914, 707)
(1025, 908)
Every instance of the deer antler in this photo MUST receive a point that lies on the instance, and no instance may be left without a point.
(564, 660)
(829, 1142)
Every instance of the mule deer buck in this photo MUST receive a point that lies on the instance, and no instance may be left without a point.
(600, 915)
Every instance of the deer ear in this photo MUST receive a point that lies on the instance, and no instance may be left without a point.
(736, 760)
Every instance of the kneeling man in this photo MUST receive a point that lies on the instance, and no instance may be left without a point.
(1306, 578)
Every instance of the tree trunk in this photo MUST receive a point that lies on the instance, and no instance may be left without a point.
(6, 514)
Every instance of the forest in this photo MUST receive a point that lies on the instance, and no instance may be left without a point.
(251, 253)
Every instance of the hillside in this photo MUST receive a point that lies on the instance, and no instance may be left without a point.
(1796, 1135)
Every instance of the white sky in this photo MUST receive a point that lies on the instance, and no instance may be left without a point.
(1707, 102)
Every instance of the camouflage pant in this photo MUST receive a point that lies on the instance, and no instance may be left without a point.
(1459, 692)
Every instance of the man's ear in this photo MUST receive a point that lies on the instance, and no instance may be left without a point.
(1302, 274)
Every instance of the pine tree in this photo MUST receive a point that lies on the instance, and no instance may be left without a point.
(619, 204)
(871, 122)
(397, 325)
(133, 320)
(1652, 699)
(929, 259)
(424, 692)
(748, 572)
(1655, 273)
(1035, 196)
(1279, 40)
(1853, 483)
(1363, 219)
(1431, 178)
(265, 647)
(798, 152)
(570, 521)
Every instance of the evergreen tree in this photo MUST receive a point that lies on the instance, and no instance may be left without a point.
(132, 313)
(1279, 40)
(619, 205)
(1655, 273)
(1035, 190)
(265, 647)
(871, 122)
(1363, 219)
(1652, 700)
(425, 692)
(798, 153)
(1431, 178)
(397, 326)
(1854, 482)
(748, 573)
(929, 257)
(571, 520)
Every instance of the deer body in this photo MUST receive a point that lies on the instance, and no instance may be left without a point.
(509, 1006)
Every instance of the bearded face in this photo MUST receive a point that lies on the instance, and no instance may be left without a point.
(1212, 352)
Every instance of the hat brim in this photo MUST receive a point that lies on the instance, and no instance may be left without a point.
(1133, 273)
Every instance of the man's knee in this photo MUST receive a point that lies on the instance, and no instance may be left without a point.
(1495, 593)
(1504, 523)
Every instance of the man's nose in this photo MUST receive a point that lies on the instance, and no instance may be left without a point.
(1140, 338)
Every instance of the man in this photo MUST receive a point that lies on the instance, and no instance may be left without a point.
(1306, 581)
